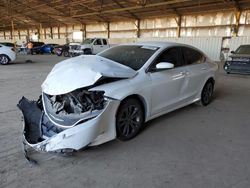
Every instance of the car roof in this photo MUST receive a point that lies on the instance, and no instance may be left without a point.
(160, 44)
(245, 45)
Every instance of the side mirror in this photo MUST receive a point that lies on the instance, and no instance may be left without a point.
(164, 65)
(232, 52)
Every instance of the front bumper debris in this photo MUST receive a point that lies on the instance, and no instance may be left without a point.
(43, 135)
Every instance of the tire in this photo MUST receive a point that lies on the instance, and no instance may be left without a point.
(87, 51)
(66, 54)
(4, 59)
(207, 93)
(129, 119)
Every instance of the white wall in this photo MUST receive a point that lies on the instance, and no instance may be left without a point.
(235, 42)
(204, 31)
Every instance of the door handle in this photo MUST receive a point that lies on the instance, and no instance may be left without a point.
(181, 74)
(203, 68)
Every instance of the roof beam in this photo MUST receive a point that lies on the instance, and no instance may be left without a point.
(121, 6)
(133, 7)
(63, 14)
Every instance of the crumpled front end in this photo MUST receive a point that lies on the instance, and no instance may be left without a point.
(69, 121)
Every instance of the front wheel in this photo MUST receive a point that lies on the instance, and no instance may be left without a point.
(4, 59)
(129, 119)
(207, 93)
(66, 54)
(87, 51)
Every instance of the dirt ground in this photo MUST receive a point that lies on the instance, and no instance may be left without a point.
(194, 147)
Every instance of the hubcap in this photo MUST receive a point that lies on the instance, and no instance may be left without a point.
(129, 120)
(4, 60)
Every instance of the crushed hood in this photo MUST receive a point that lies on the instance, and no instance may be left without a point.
(82, 71)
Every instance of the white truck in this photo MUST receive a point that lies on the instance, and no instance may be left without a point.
(88, 46)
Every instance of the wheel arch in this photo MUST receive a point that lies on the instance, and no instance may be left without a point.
(141, 100)
(6, 56)
(88, 49)
(210, 79)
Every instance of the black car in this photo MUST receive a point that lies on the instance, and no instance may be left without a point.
(62, 50)
(239, 61)
(36, 47)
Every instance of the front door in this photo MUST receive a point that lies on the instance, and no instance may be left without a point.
(97, 46)
(167, 85)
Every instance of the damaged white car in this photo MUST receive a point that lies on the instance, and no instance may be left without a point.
(91, 99)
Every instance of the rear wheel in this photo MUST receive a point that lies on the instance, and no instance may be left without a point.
(207, 93)
(66, 54)
(129, 119)
(4, 59)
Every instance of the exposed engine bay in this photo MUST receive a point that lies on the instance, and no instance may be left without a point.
(69, 109)
(52, 114)
(77, 102)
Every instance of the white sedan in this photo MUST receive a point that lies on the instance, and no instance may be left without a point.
(7, 54)
(91, 99)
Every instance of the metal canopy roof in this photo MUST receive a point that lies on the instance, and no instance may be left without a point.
(32, 13)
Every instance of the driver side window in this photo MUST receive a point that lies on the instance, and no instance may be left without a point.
(98, 42)
(171, 55)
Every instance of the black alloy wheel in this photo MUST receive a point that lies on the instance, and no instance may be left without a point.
(207, 93)
(66, 54)
(129, 119)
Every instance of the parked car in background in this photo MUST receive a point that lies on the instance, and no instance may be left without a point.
(36, 47)
(47, 48)
(239, 61)
(62, 50)
(112, 94)
(7, 54)
(9, 44)
(89, 46)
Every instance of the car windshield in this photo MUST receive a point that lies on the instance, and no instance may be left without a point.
(87, 41)
(133, 56)
(243, 50)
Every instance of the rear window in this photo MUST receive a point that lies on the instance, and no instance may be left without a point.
(192, 56)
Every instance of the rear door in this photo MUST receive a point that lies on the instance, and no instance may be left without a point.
(197, 71)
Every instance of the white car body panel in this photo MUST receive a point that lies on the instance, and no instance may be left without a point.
(160, 93)
(82, 71)
(7, 51)
(93, 132)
